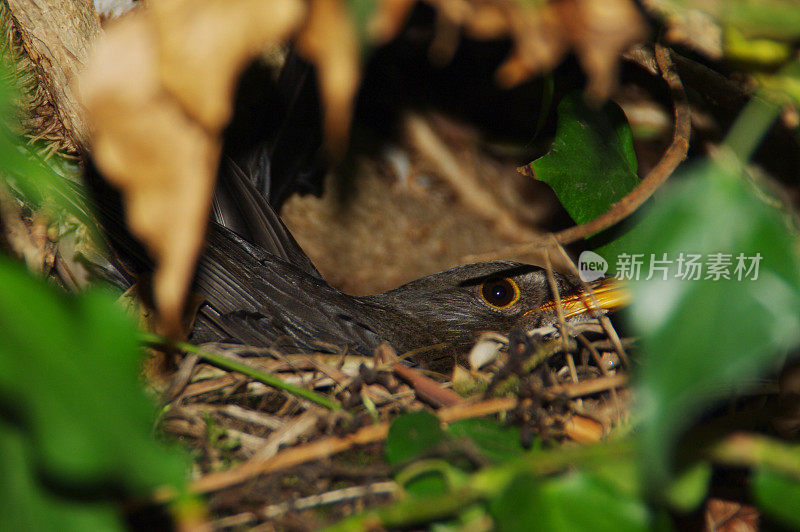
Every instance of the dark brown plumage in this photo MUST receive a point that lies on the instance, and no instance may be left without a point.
(261, 289)
(257, 298)
(264, 291)
(271, 294)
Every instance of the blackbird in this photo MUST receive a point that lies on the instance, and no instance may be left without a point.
(265, 291)
(259, 288)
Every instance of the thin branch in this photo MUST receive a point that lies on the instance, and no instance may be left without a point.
(463, 179)
(551, 280)
(589, 387)
(330, 497)
(332, 445)
(427, 389)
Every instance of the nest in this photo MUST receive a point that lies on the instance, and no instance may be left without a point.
(270, 458)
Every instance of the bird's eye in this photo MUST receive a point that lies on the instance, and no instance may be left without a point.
(500, 293)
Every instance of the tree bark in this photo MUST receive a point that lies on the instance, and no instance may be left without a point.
(57, 36)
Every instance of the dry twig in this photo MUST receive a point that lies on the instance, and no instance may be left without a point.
(329, 446)
(463, 181)
(427, 389)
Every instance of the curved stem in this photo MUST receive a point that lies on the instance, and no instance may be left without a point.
(751, 126)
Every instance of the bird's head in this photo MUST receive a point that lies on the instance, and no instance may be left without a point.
(456, 305)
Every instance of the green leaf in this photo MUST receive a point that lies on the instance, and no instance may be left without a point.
(777, 19)
(689, 488)
(473, 518)
(69, 381)
(778, 496)
(495, 441)
(427, 485)
(27, 506)
(575, 501)
(30, 176)
(760, 52)
(411, 435)
(362, 12)
(591, 163)
(702, 337)
(434, 476)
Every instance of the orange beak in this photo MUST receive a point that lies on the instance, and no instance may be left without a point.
(609, 294)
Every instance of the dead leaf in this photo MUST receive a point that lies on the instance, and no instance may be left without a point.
(600, 31)
(490, 20)
(540, 44)
(203, 46)
(161, 159)
(583, 429)
(731, 516)
(690, 25)
(389, 19)
(158, 101)
(329, 41)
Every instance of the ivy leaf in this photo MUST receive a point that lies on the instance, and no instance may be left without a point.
(528, 503)
(411, 435)
(701, 337)
(591, 163)
(28, 506)
(689, 488)
(69, 383)
(778, 496)
(496, 442)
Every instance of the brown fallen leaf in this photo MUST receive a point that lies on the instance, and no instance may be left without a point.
(389, 19)
(329, 41)
(158, 92)
(539, 44)
(600, 31)
(203, 46)
(583, 429)
(162, 160)
(731, 516)
(694, 26)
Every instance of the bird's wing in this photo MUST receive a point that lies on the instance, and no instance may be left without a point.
(256, 298)
(238, 206)
(270, 149)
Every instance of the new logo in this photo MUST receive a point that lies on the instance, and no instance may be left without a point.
(591, 266)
